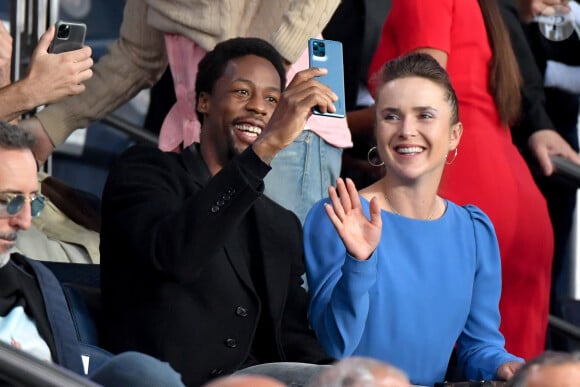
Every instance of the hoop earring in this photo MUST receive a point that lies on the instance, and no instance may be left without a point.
(370, 158)
(453, 159)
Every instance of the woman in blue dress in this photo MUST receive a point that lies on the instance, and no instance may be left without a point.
(395, 271)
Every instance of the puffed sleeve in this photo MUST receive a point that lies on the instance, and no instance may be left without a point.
(339, 285)
(480, 347)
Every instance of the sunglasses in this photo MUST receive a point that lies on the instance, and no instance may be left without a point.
(12, 203)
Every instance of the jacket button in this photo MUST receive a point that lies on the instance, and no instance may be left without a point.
(241, 311)
(231, 343)
(220, 202)
(231, 191)
(216, 372)
(215, 209)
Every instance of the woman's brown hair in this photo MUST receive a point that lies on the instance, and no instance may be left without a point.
(504, 74)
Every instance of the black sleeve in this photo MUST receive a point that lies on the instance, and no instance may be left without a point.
(534, 116)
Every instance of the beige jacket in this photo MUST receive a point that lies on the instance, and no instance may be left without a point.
(137, 59)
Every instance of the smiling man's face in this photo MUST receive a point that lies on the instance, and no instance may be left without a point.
(238, 108)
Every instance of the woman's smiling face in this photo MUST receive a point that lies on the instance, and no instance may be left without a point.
(414, 127)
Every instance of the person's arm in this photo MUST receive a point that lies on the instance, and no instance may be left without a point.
(337, 283)
(154, 208)
(167, 217)
(135, 61)
(480, 347)
(5, 56)
(50, 78)
(304, 19)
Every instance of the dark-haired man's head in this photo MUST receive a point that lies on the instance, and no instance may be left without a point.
(238, 86)
(214, 63)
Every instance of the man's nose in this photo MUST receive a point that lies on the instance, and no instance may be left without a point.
(257, 104)
(23, 219)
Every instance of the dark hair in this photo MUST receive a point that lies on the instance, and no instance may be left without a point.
(421, 65)
(214, 63)
(548, 358)
(504, 74)
(13, 137)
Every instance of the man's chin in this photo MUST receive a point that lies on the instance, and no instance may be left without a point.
(6, 246)
(238, 149)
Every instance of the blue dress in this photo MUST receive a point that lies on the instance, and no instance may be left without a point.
(428, 286)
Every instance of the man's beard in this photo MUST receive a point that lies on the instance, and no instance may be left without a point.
(5, 255)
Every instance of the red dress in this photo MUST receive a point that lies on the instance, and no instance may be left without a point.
(488, 171)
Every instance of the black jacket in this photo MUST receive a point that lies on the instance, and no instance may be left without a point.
(175, 284)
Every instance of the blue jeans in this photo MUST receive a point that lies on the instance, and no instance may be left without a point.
(302, 172)
(136, 369)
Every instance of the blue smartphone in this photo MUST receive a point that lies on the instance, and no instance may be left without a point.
(328, 54)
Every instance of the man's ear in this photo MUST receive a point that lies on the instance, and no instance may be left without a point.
(203, 102)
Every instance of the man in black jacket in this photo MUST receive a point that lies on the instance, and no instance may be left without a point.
(198, 267)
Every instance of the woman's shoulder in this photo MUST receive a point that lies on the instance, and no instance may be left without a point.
(470, 210)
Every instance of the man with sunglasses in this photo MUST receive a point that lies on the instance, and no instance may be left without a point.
(33, 312)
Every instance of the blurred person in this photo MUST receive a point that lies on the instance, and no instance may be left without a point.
(470, 40)
(550, 369)
(244, 381)
(50, 77)
(198, 267)
(360, 372)
(397, 272)
(530, 8)
(34, 316)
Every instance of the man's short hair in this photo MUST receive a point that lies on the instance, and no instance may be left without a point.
(214, 63)
(13, 137)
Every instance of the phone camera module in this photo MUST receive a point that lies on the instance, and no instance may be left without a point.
(63, 31)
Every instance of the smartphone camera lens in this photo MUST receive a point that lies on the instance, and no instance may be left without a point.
(321, 44)
(63, 31)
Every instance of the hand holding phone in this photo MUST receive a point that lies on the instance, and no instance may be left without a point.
(328, 54)
(68, 36)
